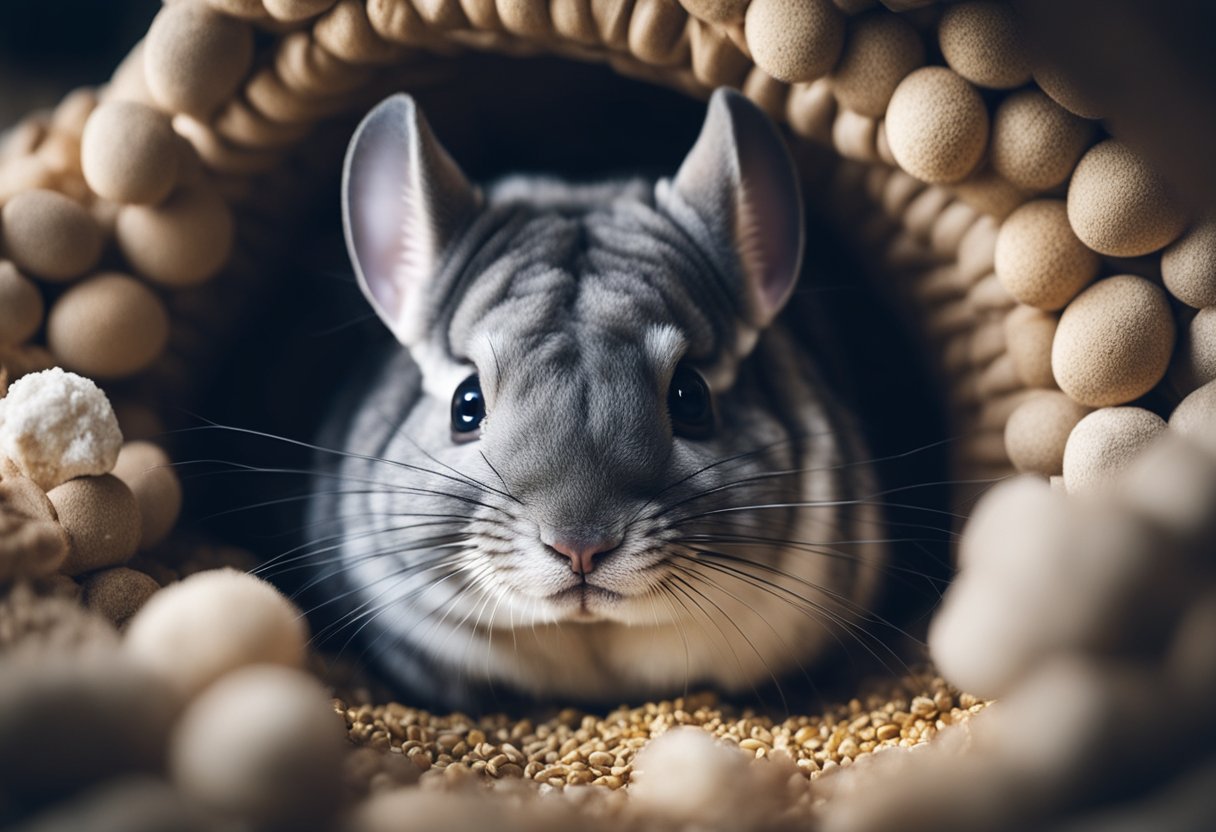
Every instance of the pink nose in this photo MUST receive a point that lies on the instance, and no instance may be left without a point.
(582, 553)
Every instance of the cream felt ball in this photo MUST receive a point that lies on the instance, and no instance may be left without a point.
(212, 623)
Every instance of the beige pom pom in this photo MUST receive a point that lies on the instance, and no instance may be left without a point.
(181, 242)
(1029, 334)
(129, 153)
(21, 306)
(1114, 341)
(1035, 142)
(1188, 266)
(1037, 431)
(147, 471)
(937, 125)
(50, 236)
(1105, 443)
(1065, 93)
(879, 51)
(263, 745)
(212, 623)
(117, 594)
(982, 42)
(1201, 346)
(1119, 206)
(1195, 415)
(102, 520)
(109, 326)
(194, 58)
(794, 41)
(1038, 258)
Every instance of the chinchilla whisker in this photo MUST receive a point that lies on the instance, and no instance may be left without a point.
(770, 475)
(861, 501)
(692, 571)
(864, 614)
(663, 591)
(311, 559)
(395, 604)
(498, 474)
(811, 609)
(297, 498)
(332, 542)
(311, 446)
(472, 574)
(815, 548)
(679, 581)
(463, 477)
(423, 563)
(725, 460)
(238, 468)
(398, 577)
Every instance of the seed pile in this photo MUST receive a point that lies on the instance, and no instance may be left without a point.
(574, 748)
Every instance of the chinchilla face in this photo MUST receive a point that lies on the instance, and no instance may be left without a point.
(596, 468)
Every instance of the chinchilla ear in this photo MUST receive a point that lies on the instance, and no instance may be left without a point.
(403, 202)
(738, 189)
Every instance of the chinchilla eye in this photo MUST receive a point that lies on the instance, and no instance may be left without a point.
(690, 404)
(468, 408)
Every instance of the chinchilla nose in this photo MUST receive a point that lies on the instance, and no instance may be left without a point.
(582, 549)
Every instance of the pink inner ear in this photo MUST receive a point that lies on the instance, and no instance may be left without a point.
(404, 199)
(769, 229)
(740, 179)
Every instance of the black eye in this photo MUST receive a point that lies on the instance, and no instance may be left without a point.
(468, 407)
(690, 404)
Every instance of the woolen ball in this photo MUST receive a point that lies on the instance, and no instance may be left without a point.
(1201, 346)
(101, 518)
(1105, 443)
(129, 153)
(1029, 334)
(263, 745)
(194, 58)
(48, 235)
(1038, 430)
(148, 472)
(109, 326)
(21, 306)
(880, 49)
(1035, 142)
(1038, 258)
(181, 242)
(212, 623)
(1114, 341)
(1119, 206)
(1188, 266)
(117, 594)
(982, 41)
(937, 125)
(794, 41)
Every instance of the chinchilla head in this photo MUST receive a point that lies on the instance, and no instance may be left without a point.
(595, 419)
